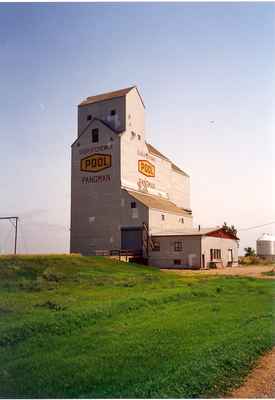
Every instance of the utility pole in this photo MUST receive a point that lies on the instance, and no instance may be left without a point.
(15, 239)
(16, 228)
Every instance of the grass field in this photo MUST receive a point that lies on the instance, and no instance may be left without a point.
(76, 326)
(269, 273)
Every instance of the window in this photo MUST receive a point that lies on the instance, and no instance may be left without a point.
(177, 262)
(95, 135)
(113, 112)
(162, 217)
(215, 254)
(139, 137)
(89, 117)
(181, 220)
(133, 204)
(178, 246)
(156, 245)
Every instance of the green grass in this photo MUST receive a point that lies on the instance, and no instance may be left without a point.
(76, 326)
(269, 273)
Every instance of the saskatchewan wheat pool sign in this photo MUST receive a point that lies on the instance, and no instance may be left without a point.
(96, 162)
(146, 168)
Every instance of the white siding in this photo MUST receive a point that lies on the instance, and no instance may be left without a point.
(172, 222)
(189, 257)
(180, 190)
(99, 210)
(101, 110)
(224, 245)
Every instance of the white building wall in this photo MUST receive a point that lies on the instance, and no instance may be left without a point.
(95, 196)
(194, 247)
(132, 217)
(189, 257)
(209, 242)
(102, 111)
(180, 190)
(171, 222)
(135, 114)
(96, 207)
(166, 183)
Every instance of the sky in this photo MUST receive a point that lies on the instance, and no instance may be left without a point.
(192, 62)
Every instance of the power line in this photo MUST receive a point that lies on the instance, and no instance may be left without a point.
(257, 226)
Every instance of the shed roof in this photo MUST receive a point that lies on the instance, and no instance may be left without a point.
(188, 232)
(152, 150)
(218, 231)
(156, 202)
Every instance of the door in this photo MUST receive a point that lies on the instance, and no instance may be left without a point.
(230, 256)
(203, 261)
(131, 239)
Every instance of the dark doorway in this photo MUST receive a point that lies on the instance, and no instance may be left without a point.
(203, 261)
(131, 239)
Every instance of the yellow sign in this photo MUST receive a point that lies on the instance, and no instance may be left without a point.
(96, 162)
(146, 168)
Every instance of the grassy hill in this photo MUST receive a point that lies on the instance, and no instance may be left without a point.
(76, 326)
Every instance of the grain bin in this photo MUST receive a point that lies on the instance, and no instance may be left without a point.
(266, 246)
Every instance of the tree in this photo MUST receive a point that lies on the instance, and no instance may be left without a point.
(230, 229)
(249, 252)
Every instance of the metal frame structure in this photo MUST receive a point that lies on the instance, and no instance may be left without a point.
(11, 219)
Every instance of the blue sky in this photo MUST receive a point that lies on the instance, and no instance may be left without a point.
(192, 62)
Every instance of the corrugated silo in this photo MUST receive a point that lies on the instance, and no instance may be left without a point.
(266, 246)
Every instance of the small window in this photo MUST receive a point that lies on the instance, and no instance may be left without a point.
(177, 262)
(215, 254)
(156, 245)
(113, 112)
(95, 135)
(89, 117)
(139, 137)
(162, 217)
(178, 246)
(133, 204)
(181, 220)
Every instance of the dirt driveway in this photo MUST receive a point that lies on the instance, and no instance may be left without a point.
(260, 383)
(254, 271)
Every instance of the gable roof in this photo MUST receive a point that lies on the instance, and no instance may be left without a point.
(109, 95)
(156, 202)
(152, 150)
(90, 123)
